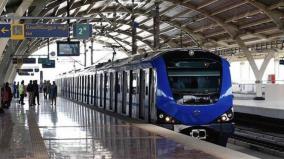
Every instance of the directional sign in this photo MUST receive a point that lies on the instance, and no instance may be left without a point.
(82, 31)
(49, 64)
(17, 31)
(46, 30)
(5, 30)
(24, 60)
(42, 60)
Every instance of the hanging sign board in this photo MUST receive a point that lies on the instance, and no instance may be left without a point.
(17, 31)
(82, 31)
(24, 60)
(49, 64)
(5, 30)
(46, 30)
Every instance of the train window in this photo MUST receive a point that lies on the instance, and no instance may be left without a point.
(134, 83)
(194, 78)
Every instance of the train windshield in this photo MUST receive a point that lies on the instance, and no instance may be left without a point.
(194, 80)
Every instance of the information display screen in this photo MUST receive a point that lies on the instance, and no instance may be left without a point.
(49, 64)
(68, 48)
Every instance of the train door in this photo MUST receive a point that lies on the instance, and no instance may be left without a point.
(142, 94)
(119, 92)
(89, 89)
(111, 91)
(96, 89)
(135, 94)
(91, 97)
(114, 96)
(105, 79)
(129, 94)
(77, 88)
(124, 92)
(85, 88)
(82, 88)
(69, 88)
(107, 92)
(101, 90)
(152, 96)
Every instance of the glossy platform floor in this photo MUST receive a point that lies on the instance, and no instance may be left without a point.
(70, 130)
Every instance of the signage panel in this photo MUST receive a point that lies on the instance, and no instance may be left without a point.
(46, 30)
(24, 60)
(42, 60)
(17, 31)
(49, 64)
(5, 30)
(82, 31)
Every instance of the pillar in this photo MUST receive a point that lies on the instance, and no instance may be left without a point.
(156, 25)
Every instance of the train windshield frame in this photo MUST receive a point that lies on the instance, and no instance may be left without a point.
(194, 79)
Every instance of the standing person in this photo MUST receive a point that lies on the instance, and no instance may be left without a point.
(15, 90)
(30, 90)
(48, 89)
(36, 92)
(53, 93)
(7, 96)
(22, 92)
(45, 90)
(18, 90)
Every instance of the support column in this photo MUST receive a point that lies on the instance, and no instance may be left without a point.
(134, 26)
(134, 35)
(258, 73)
(156, 25)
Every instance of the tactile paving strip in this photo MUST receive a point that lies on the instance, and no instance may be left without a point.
(39, 149)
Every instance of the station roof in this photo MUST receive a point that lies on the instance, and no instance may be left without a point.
(225, 26)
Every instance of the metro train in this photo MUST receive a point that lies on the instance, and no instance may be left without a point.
(186, 90)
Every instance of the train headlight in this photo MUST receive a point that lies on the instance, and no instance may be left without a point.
(161, 116)
(167, 119)
(226, 117)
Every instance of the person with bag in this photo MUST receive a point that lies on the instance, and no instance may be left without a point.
(22, 92)
(7, 96)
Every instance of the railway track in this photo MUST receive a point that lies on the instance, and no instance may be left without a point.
(267, 142)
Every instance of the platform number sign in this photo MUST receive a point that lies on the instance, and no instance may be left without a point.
(17, 31)
(82, 31)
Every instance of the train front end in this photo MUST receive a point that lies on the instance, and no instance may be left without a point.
(194, 94)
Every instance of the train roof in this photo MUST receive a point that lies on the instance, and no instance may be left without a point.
(130, 60)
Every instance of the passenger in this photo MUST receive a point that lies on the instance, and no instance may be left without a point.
(22, 92)
(53, 93)
(45, 90)
(18, 90)
(15, 90)
(30, 90)
(7, 96)
(48, 89)
(35, 92)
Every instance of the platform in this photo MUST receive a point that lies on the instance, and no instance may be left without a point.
(70, 130)
(271, 109)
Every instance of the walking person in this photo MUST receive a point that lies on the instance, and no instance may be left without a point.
(36, 92)
(15, 90)
(7, 96)
(22, 92)
(30, 90)
(48, 87)
(17, 93)
(53, 93)
(45, 90)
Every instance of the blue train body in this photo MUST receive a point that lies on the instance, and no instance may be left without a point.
(192, 115)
